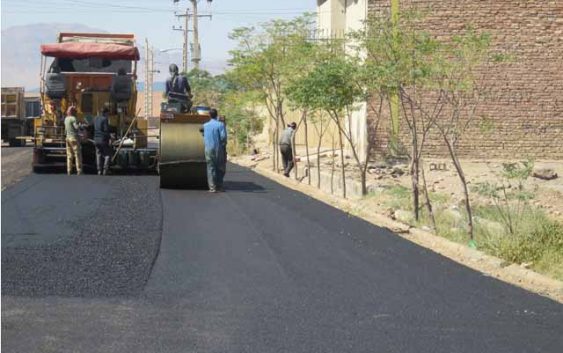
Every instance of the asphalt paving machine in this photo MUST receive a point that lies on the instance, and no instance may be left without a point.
(92, 71)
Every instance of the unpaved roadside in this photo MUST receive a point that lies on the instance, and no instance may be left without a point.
(16, 164)
(474, 259)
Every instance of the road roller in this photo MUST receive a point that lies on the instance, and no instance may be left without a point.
(182, 154)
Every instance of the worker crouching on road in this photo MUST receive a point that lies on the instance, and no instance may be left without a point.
(214, 137)
(223, 167)
(73, 148)
(286, 142)
(101, 140)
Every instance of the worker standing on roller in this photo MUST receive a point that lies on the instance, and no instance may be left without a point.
(214, 136)
(178, 88)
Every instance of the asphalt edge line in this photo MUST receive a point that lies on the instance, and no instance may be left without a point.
(474, 259)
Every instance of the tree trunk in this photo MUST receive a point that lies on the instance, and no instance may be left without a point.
(294, 156)
(427, 195)
(415, 180)
(343, 167)
(319, 165)
(307, 149)
(333, 166)
(461, 175)
(275, 146)
(466, 201)
(363, 180)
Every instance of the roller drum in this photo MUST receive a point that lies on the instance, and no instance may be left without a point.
(182, 156)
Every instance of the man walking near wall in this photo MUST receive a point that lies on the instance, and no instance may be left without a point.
(73, 148)
(214, 136)
(286, 143)
(101, 139)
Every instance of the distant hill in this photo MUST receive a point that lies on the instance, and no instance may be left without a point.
(21, 59)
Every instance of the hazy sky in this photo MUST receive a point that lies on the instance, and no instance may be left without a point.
(153, 19)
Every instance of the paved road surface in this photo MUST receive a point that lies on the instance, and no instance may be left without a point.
(16, 164)
(93, 264)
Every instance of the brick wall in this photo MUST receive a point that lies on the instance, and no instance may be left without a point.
(524, 116)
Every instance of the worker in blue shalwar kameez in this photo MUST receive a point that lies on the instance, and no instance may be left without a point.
(214, 137)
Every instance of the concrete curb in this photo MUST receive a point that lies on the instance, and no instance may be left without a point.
(474, 259)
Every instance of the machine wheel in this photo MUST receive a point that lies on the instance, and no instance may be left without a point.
(182, 158)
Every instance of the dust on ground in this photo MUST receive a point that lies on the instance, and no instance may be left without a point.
(441, 176)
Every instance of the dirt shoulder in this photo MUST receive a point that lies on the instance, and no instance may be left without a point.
(477, 260)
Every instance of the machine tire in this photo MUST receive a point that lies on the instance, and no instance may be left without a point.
(181, 156)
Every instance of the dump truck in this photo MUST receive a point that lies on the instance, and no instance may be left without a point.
(92, 71)
(14, 122)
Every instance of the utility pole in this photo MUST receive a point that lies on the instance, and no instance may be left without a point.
(196, 46)
(185, 29)
(147, 78)
(196, 54)
(150, 83)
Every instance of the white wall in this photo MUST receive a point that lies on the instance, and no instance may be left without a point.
(331, 17)
(356, 13)
(335, 17)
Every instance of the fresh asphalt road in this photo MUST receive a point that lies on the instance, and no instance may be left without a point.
(113, 264)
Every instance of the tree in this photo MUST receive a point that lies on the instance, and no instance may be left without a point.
(207, 89)
(331, 86)
(461, 86)
(264, 61)
(402, 60)
(321, 123)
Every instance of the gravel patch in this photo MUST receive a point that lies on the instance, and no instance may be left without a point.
(110, 251)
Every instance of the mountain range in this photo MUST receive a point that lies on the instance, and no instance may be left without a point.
(21, 59)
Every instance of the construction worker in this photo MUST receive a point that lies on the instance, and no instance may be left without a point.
(214, 136)
(73, 148)
(101, 140)
(223, 160)
(286, 150)
(178, 89)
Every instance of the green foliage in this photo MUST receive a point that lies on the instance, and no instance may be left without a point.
(486, 124)
(518, 171)
(510, 201)
(267, 58)
(208, 89)
(242, 119)
(330, 86)
(396, 55)
(537, 240)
